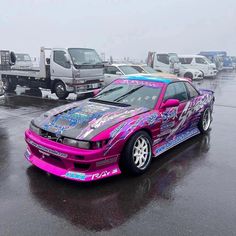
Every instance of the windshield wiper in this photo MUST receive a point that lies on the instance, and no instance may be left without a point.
(127, 94)
(109, 102)
(109, 91)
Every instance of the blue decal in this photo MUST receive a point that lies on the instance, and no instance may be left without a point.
(75, 175)
(179, 138)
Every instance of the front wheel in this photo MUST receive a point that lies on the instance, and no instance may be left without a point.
(188, 75)
(137, 154)
(205, 121)
(60, 90)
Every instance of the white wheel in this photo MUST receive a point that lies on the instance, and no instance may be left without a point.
(142, 152)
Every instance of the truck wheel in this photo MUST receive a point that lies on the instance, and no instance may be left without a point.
(60, 90)
(188, 75)
(137, 154)
(205, 121)
(8, 85)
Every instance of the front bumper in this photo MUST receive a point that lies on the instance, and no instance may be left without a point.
(198, 76)
(69, 162)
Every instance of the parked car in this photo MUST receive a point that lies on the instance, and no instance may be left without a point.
(199, 62)
(184, 72)
(114, 71)
(193, 74)
(234, 61)
(144, 69)
(228, 63)
(122, 128)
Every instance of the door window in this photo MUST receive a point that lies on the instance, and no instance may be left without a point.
(191, 90)
(60, 59)
(200, 60)
(164, 58)
(111, 70)
(185, 60)
(176, 91)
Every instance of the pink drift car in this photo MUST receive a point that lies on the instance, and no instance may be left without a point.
(123, 127)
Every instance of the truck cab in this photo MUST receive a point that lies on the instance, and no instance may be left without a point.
(66, 70)
(164, 62)
(79, 69)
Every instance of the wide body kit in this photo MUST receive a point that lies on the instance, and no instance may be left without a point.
(93, 122)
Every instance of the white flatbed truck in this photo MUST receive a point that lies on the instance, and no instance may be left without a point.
(68, 70)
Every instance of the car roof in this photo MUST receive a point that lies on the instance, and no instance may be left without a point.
(151, 78)
(118, 64)
(187, 56)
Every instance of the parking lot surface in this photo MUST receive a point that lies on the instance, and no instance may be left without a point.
(189, 190)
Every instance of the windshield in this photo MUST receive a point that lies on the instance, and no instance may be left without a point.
(84, 56)
(208, 60)
(134, 93)
(149, 69)
(23, 57)
(128, 70)
(173, 57)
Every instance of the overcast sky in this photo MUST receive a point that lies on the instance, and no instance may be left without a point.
(119, 28)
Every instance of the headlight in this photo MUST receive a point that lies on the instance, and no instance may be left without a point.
(34, 128)
(76, 143)
(84, 144)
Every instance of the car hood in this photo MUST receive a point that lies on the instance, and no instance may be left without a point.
(84, 120)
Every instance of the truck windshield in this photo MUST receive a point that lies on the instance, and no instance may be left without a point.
(84, 56)
(173, 57)
(22, 57)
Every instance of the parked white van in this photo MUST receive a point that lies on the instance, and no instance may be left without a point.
(199, 62)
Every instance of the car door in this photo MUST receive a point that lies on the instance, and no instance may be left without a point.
(202, 65)
(193, 96)
(174, 118)
(110, 74)
(59, 66)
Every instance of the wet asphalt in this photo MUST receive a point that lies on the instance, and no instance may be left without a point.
(189, 190)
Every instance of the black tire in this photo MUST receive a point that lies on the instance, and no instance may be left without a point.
(188, 75)
(8, 85)
(128, 158)
(60, 90)
(203, 76)
(204, 125)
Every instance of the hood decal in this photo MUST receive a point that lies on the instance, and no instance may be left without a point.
(84, 120)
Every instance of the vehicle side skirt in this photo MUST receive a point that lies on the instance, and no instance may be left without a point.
(177, 139)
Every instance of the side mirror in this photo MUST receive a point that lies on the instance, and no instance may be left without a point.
(96, 91)
(170, 103)
(12, 58)
(118, 73)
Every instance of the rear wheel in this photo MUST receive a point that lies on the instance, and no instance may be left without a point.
(60, 90)
(137, 154)
(205, 121)
(8, 85)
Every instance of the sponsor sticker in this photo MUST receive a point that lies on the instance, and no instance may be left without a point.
(27, 154)
(75, 175)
